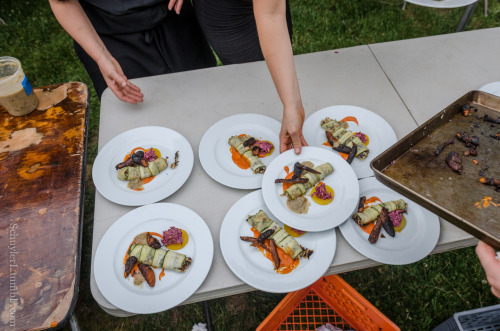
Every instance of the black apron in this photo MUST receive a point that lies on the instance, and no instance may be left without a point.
(145, 38)
(230, 28)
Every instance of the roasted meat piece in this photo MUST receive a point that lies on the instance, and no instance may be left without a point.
(274, 254)
(152, 241)
(440, 148)
(454, 161)
(148, 274)
(129, 265)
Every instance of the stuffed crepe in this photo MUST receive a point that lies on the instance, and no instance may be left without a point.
(344, 136)
(254, 161)
(371, 213)
(297, 190)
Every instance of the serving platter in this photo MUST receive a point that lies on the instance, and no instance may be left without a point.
(379, 132)
(215, 155)
(249, 264)
(167, 182)
(417, 239)
(174, 287)
(343, 181)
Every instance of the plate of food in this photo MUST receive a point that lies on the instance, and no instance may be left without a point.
(315, 190)
(269, 255)
(355, 133)
(389, 228)
(237, 150)
(143, 165)
(153, 258)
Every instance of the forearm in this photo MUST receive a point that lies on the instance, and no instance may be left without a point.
(270, 16)
(73, 19)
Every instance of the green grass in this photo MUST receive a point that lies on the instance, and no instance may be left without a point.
(416, 297)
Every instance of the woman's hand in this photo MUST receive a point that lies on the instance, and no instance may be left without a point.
(117, 81)
(176, 5)
(490, 265)
(291, 130)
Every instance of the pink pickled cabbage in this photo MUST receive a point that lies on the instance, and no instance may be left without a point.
(321, 192)
(150, 155)
(172, 236)
(396, 217)
(265, 146)
(361, 136)
(297, 230)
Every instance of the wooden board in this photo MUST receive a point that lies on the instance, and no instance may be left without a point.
(42, 160)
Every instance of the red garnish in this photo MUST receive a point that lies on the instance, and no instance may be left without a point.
(150, 155)
(172, 236)
(322, 193)
(396, 217)
(265, 146)
(361, 136)
(297, 230)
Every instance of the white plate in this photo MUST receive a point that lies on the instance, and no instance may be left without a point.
(413, 243)
(174, 287)
(491, 88)
(380, 133)
(215, 155)
(442, 3)
(168, 181)
(343, 181)
(248, 263)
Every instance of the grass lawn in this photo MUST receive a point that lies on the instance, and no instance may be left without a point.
(416, 297)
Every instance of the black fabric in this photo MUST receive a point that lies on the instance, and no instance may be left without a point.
(230, 28)
(174, 44)
(119, 7)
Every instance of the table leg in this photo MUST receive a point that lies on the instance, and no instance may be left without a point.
(465, 17)
(208, 318)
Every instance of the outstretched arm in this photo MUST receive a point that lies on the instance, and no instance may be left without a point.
(73, 19)
(491, 266)
(270, 16)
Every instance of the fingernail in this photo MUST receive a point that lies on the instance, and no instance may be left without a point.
(297, 150)
(124, 84)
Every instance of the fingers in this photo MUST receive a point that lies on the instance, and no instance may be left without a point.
(490, 265)
(171, 4)
(178, 6)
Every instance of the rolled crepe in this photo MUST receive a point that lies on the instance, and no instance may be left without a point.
(140, 172)
(296, 190)
(261, 222)
(253, 160)
(371, 213)
(160, 258)
(344, 136)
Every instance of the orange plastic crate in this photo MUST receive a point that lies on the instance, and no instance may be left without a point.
(329, 300)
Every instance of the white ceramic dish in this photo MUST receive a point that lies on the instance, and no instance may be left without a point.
(167, 182)
(215, 155)
(417, 239)
(343, 181)
(380, 133)
(174, 287)
(249, 264)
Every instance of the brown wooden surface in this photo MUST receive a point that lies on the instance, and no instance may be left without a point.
(42, 157)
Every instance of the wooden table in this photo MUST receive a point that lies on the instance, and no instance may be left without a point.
(42, 172)
(384, 78)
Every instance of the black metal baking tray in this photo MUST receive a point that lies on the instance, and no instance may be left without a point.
(412, 168)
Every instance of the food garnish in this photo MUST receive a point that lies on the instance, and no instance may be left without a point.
(176, 160)
(150, 155)
(172, 236)
(322, 194)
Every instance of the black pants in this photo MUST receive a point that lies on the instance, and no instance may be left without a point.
(174, 44)
(230, 28)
